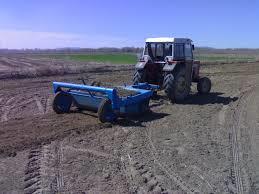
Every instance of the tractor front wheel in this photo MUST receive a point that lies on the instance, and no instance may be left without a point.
(204, 85)
(176, 87)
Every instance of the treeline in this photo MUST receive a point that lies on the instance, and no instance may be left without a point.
(208, 50)
(138, 50)
(76, 50)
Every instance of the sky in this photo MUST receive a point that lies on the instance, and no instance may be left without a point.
(119, 23)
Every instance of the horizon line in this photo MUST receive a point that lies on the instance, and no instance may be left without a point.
(134, 47)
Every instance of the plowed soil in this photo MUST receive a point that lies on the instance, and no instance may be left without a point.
(207, 144)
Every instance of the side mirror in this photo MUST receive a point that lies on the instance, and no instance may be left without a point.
(193, 47)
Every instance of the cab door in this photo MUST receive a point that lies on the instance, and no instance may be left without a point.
(188, 57)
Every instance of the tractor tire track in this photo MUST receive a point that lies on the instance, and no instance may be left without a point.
(48, 104)
(32, 178)
(138, 172)
(59, 175)
(6, 109)
(240, 180)
(253, 124)
(39, 105)
(200, 181)
(173, 176)
(14, 104)
(140, 177)
(53, 179)
(43, 173)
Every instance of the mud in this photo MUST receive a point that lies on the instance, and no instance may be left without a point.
(207, 144)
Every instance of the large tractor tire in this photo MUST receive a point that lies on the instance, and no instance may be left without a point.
(139, 77)
(105, 111)
(204, 85)
(176, 86)
(62, 102)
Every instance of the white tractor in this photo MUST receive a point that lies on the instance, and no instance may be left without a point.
(169, 62)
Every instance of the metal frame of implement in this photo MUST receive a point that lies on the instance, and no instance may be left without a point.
(91, 97)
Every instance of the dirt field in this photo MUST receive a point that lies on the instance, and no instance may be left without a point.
(208, 144)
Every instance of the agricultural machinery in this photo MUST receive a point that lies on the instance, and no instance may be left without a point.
(109, 103)
(169, 63)
(166, 63)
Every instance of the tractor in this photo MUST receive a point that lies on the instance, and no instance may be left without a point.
(169, 63)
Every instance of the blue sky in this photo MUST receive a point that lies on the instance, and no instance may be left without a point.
(97, 23)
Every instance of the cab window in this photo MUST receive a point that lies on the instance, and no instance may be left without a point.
(179, 51)
(153, 50)
(150, 49)
(188, 51)
(160, 51)
(168, 49)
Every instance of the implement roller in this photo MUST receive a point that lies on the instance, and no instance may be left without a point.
(109, 103)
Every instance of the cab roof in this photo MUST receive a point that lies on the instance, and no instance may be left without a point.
(169, 39)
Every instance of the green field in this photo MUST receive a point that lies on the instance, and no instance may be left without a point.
(131, 58)
(117, 58)
(226, 58)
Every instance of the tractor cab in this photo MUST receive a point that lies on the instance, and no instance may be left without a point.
(160, 53)
(174, 48)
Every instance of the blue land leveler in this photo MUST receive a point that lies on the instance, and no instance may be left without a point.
(107, 102)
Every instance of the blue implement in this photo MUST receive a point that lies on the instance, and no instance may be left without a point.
(91, 97)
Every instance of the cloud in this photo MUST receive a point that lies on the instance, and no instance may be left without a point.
(19, 39)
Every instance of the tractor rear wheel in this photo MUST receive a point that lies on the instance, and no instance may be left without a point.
(105, 111)
(204, 85)
(62, 102)
(176, 86)
(139, 77)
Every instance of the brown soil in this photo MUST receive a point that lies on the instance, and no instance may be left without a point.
(207, 144)
(124, 92)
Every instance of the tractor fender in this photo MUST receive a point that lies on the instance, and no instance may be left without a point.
(141, 65)
(169, 66)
